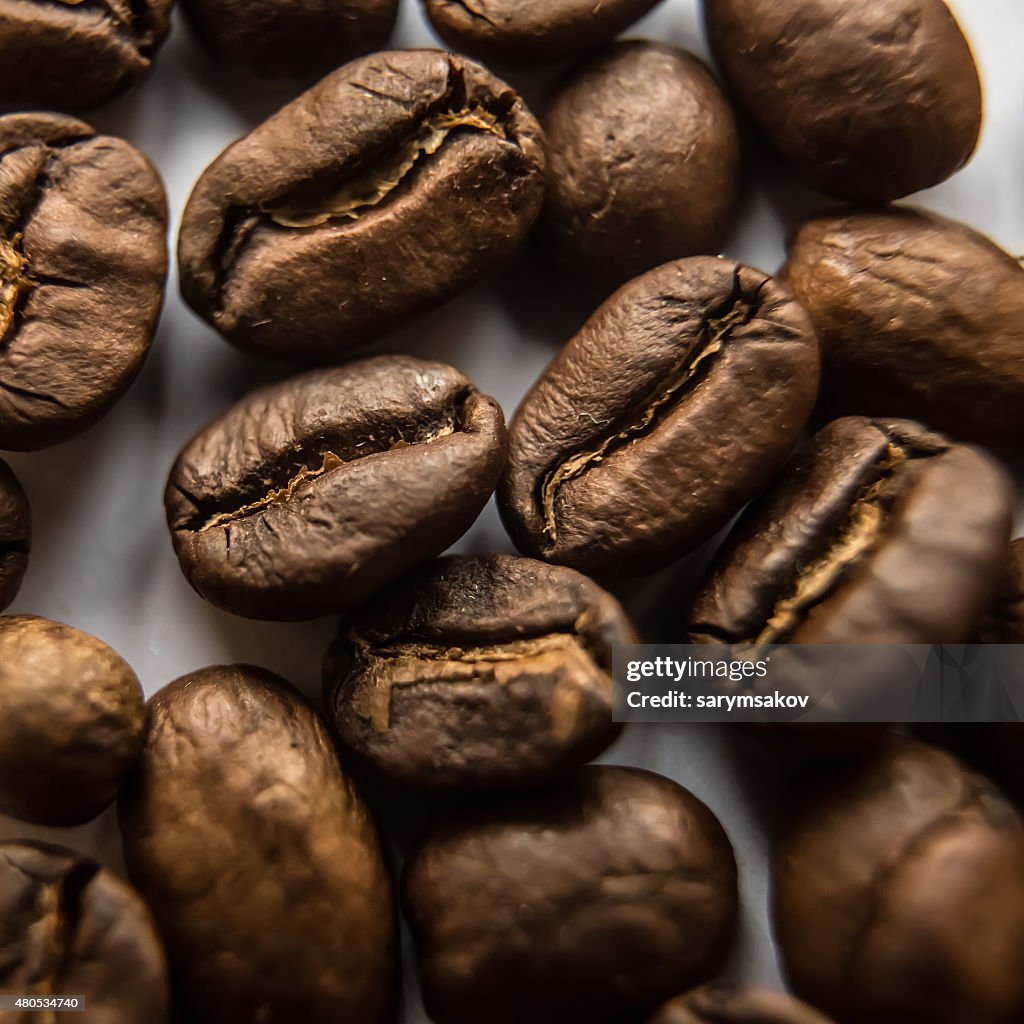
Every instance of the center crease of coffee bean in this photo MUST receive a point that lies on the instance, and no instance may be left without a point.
(858, 535)
(382, 666)
(683, 373)
(15, 282)
(371, 189)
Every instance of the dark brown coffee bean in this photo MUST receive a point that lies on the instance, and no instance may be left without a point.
(870, 101)
(671, 408)
(312, 494)
(644, 165)
(83, 259)
(523, 32)
(385, 190)
(594, 901)
(1004, 623)
(290, 37)
(77, 54)
(478, 673)
(70, 928)
(899, 893)
(723, 1004)
(258, 857)
(918, 316)
(877, 532)
(15, 534)
(71, 721)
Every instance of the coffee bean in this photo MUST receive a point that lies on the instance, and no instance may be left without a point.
(524, 32)
(385, 190)
(312, 494)
(594, 901)
(723, 1004)
(671, 408)
(477, 673)
(918, 316)
(83, 259)
(877, 532)
(71, 724)
(290, 37)
(899, 893)
(15, 534)
(258, 857)
(1004, 623)
(70, 928)
(644, 165)
(77, 54)
(870, 101)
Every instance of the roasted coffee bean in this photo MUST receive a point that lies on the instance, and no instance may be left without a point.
(870, 101)
(258, 857)
(1004, 623)
(918, 316)
(77, 54)
(71, 721)
(477, 673)
(899, 893)
(83, 258)
(722, 1004)
(312, 494)
(15, 534)
(594, 901)
(385, 190)
(877, 532)
(524, 32)
(672, 407)
(70, 928)
(290, 37)
(644, 165)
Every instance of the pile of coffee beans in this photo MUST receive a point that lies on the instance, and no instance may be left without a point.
(829, 441)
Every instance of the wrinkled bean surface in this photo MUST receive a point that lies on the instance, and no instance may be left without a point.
(871, 101)
(311, 494)
(71, 721)
(258, 857)
(83, 258)
(386, 189)
(15, 534)
(594, 901)
(671, 408)
(723, 1004)
(478, 672)
(877, 531)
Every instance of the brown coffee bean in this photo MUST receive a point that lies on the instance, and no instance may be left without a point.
(870, 101)
(83, 259)
(385, 190)
(1004, 623)
(877, 532)
(15, 534)
(77, 54)
(71, 724)
(644, 165)
(478, 673)
(290, 37)
(70, 928)
(524, 32)
(671, 408)
(258, 857)
(899, 893)
(723, 1004)
(312, 494)
(918, 316)
(594, 901)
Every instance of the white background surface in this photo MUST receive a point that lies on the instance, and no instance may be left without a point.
(102, 560)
